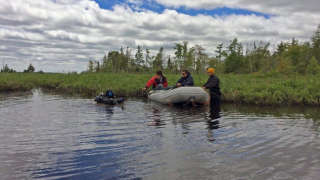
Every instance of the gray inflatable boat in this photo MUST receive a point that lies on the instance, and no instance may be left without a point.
(180, 95)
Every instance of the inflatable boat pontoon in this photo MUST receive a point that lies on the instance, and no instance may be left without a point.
(180, 95)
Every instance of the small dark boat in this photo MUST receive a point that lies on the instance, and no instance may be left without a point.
(109, 98)
(106, 100)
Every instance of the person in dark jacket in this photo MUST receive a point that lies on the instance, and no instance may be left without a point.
(213, 86)
(158, 81)
(185, 80)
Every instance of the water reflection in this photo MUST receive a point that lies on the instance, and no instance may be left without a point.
(156, 118)
(54, 137)
(109, 111)
(213, 122)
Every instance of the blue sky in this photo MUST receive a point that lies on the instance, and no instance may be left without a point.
(156, 7)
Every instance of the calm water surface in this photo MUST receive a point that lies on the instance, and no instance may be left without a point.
(45, 136)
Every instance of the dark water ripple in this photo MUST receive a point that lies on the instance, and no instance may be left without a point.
(53, 137)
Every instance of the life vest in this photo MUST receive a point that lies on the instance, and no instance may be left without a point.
(158, 82)
(109, 94)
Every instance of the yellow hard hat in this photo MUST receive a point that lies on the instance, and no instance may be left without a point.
(210, 70)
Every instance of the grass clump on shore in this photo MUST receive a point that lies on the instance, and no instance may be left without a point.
(269, 90)
(250, 89)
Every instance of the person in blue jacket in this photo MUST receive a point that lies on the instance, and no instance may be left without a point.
(185, 80)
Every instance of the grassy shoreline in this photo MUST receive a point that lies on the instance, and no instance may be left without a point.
(256, 89)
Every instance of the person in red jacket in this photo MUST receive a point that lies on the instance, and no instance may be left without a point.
(158, 81)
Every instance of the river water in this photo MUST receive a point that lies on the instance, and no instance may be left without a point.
(47, 136)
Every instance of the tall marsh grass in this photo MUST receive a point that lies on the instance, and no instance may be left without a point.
(250, 89)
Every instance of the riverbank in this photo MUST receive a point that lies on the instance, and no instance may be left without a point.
(248, 89)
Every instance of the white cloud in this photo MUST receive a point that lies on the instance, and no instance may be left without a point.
(63, 35)
(270, 6)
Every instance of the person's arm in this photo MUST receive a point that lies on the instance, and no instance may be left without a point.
(179, 82)
(204, 86)
(189, 82)
(150, 83)
(165, 83)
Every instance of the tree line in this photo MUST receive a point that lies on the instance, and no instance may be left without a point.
(6, 69)
(185, 57)
(288, 57)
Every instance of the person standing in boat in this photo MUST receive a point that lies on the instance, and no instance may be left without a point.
(158, 81)
(213, 85)
(185, 80)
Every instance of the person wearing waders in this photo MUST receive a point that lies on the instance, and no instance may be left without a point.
(213, 86)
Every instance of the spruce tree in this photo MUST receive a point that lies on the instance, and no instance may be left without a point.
(313, 67)
(316, 44)
(139, 57)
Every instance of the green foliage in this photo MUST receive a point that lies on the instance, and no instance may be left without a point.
(289, 58)
(91, 66)
(220, 52)
(6, 69)
(158, 62)
(313, 67)
(257, 59)
(284, 66)
(29, 69)
(178, 55)
(97, 66)
(189, 59)
(234, 57)
(170, 65)
(139, 62)
(316, 44)
(264, 89)
(281, 48)
(201, 59)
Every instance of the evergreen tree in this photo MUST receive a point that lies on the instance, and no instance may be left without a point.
(185, 54)
(123, 61)
(90, 66)
(299, 56)
(284, 66)
(157, 63)
(201, 59)
(105, 64)
(316, 44)
(170, 65)
(178, 55)
(6, 69)
(234, 57)
(29, 69)
(213, 62)
(281, 48)
(313, 67)
(139, 57)
(114, 57)
(291, 57)
(190, 59)
(97, 66)
(219, 51)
